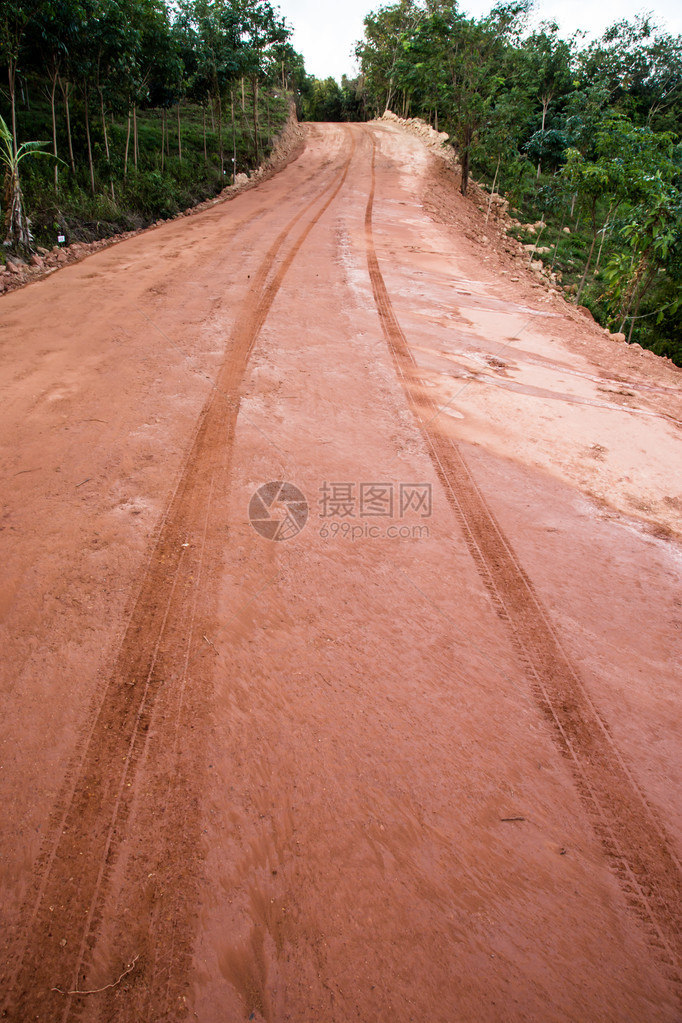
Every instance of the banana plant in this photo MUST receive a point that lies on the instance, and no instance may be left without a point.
(17, 224)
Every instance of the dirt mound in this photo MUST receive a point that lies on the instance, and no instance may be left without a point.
(437, 141)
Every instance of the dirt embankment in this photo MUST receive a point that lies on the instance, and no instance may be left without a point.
(490, 223)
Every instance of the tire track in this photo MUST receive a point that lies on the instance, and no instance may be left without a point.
(145, 705)
(635, 842)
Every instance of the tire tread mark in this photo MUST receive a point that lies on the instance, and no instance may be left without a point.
(89, 820)
(637, 847)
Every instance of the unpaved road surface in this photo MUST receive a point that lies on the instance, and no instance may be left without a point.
(417, 760)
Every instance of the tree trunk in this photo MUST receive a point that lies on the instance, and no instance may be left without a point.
(243, 99)
(587, 267)
(545, 106)
(389, 96)
(179, 135)
(648, 278)
(492, 193)
(66, 88)
(12, 81)
(163, 138)
(203, 121)
(234, 141)
(87, 135)
(633, 292)
(557, 243)
(125, 159)
(603, 236)
(256, 151)
(247, 126)
(53, 79)
(104, 125)
(135, 149)
(220, 140)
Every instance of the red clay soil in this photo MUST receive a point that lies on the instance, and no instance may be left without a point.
(417, 760)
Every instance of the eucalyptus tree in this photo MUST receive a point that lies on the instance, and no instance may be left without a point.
(14, 17)
(210, 44)
(458, 63)
(261, 28)
(381, 51)
(547, 61)
(48, 40)
(640, 67)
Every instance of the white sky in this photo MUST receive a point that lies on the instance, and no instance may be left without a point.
(326, 30)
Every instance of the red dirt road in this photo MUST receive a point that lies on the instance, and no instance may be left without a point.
(420, 760)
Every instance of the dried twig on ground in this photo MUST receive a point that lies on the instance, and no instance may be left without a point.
(96, 991)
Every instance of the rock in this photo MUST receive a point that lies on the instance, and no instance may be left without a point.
(37, 260)
(616, 337)
(14, 268)
(584, 311)
(43, 251)
(567, 230)
(61, 256)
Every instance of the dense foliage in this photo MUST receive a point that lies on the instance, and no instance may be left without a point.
(584, 137)
(147, 107)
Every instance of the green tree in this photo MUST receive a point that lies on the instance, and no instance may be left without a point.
(14, 17)
(261, 28)
(381, 51)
